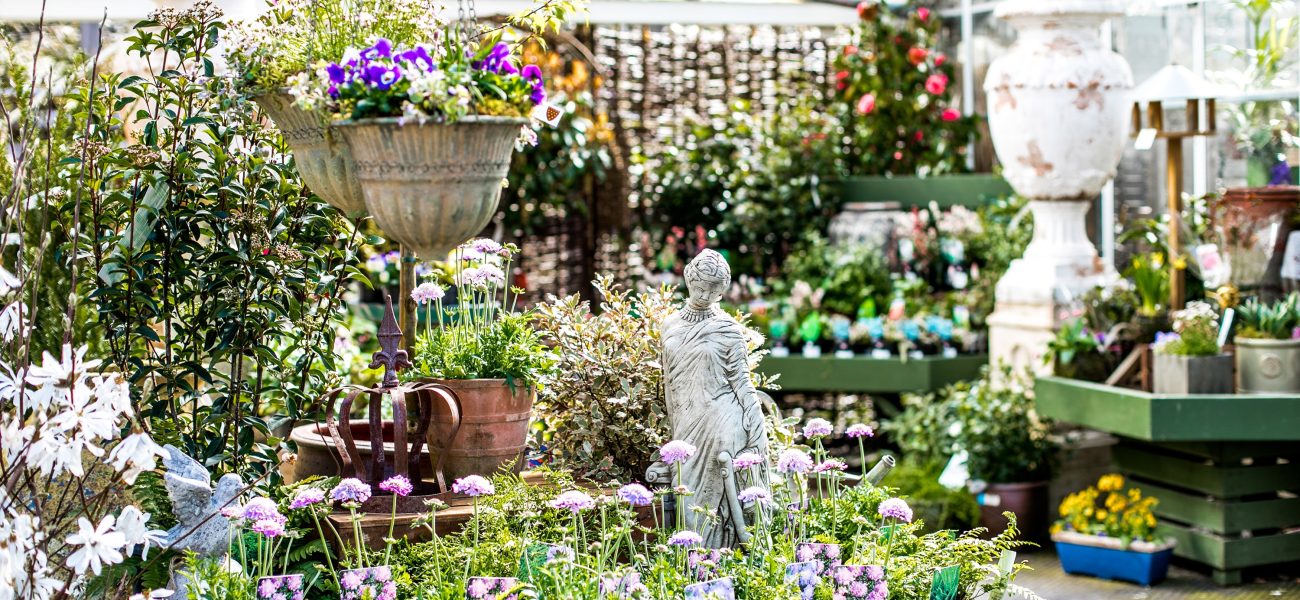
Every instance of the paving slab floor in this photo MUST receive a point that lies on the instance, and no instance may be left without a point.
(1051, 583)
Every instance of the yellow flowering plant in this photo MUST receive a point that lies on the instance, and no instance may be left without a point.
(1108, 509)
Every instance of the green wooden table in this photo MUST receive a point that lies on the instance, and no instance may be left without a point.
(865, 375)
(1226, 468)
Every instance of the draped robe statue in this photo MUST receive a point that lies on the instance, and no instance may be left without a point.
(711, 403)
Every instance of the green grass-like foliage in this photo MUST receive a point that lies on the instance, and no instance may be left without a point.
(1269, 321)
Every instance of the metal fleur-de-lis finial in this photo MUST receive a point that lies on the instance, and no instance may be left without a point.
(390, 354)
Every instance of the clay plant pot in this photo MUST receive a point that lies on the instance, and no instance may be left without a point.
(317, 454)
(493, 429)
(1253, 226)
(323, 160)
(1027, 500)
(431, 186)
(1268, 366)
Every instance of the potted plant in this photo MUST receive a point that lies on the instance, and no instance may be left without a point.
(1009, 453)
(488, 353)
(279, 47)
(1078, 353)
(1189, 360)
(1268, 347)
(1108, 531)
(1150, 277)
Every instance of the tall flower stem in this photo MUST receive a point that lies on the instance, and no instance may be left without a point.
(329, 560)
(392, 523)
(356, 535)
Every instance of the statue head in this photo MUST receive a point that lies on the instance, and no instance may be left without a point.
(707, 278)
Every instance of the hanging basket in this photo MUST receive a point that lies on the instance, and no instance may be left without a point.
(325, 164)
(431, 186)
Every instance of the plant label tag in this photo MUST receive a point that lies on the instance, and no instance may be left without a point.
(843, 354)
(949, 352)
(881, 353)
(946, 583)
(1225, 325)
(779, 351)
(1214, 272)
(955, 475)
(805, 576)
(1291, 258)
(548, 113)
(718, 589)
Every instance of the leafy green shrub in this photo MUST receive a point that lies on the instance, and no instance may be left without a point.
(939, 507)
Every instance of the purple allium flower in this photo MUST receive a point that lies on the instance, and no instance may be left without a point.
(830, 464)
(755, 494)
(350, 491)
(473, 486)
(858, 430)
(685, 538)
(573, 501)
(269, 527)
(676, 451)
(397, 484)
(747, 460)
(895, 508)
(636, 495)
(794, 461)
(817, 428)
(307, 497)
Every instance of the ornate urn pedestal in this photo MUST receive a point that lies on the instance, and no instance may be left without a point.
(1058, 117)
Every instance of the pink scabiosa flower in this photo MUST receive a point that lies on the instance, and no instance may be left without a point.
(866, 104)
(794, 460)
(858, 430)
(427, 292)
(636, 495)
(747, 460)
(676, 451)
(755, 494)
(685, 538)
(397, 484)
(817, 428)
(895, 508)
(307, 497)
(262, 509)
(269, 527)
(473, 486)
(830, 465)
(573, 501)
(351, 491)
(936, 83)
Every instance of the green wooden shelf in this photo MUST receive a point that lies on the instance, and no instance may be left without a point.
(866, 375)
(1224, 467)
(970, 190)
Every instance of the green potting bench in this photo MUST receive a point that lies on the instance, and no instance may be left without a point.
(863, 375)
(1225, 468)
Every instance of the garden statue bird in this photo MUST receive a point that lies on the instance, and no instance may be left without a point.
(200, 526)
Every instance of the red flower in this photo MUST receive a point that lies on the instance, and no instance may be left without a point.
(936, 84)
(916, 55)
(866, 104)
(939, 59)
(923, 13)
(950, 114)
(266, 251)
(867, 10)
(850, 50)
(841, 80)
(918, 136)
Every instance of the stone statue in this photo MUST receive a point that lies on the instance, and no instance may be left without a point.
(711, 403)
(200, 526)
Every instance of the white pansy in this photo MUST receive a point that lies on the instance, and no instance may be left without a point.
(136, 454)
(100, 546)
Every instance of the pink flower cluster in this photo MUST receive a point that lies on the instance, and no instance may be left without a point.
(572, 501)
(473, 486)
(676, 451)
(351, 491)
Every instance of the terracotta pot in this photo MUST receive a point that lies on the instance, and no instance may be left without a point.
(1027, 500)
(317, 454)
(493, 428)
(324, 162)
(1253, 226)
(430, 185)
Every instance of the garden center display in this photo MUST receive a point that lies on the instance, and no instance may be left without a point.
(405, 300)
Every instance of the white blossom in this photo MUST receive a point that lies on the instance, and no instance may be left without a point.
(134, 527)
(100, 546)
(136, 454)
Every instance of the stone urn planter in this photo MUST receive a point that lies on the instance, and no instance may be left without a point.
(322, 158)
(1182, 375)
(1266, 366)
(493, 427)
(1143, 563)
(431, 185)
(1058, 117)
(1253, 226)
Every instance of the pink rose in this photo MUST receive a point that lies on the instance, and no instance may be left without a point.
(950, 114)
(866, 104)
(923, 13)
(936, 84)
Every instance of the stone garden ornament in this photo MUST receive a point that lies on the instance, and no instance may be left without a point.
(200, 526)
(711, 403)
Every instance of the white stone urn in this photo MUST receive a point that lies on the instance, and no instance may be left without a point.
(1058, 116)
(324, 161)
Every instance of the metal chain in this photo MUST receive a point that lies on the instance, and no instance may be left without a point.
(473, 18)
(461, 29)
